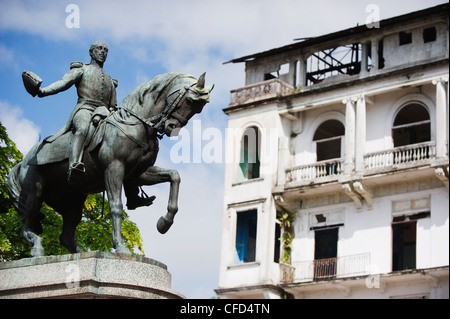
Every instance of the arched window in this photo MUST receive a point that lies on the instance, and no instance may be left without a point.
(328, 138)
(249, 158)
(411, 125)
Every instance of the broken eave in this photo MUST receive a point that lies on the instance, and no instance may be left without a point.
(362, 29)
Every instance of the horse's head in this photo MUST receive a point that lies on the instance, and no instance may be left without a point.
(187, 98)
(168, 101)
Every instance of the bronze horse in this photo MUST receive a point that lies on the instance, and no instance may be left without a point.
(122, 152)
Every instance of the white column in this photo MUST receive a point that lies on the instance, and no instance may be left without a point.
(364, 58)
(302, 72)
(441, 117)
(374, 55)
(293, 73)
(349, 135)
(360, 133)
(283, 159)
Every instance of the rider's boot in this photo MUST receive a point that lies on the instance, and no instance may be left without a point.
(76, 167)
(134, 200)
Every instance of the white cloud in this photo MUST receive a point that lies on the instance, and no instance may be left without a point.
(195, 36)
(20, 130)
(232, 26)
(7, 56)
(43, 18)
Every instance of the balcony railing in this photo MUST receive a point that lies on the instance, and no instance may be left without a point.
(400, 157)
(377, 162)
(325, 171)
(326, 269)
(260, 91)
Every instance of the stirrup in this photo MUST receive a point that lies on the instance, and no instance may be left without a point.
(140, 202)
(77, 168)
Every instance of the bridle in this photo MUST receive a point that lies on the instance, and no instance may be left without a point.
(158, 120)
(155, 122)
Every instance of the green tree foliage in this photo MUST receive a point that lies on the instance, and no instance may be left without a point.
(286, 219)
(93, 233)
(9, 156)
(10, 222)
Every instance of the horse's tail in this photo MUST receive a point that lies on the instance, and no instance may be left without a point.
(15, 188)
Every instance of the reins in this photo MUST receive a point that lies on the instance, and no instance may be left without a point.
(163, 116)
(151, 122)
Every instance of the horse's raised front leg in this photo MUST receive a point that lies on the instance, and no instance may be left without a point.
(113, 181)
(155, 175)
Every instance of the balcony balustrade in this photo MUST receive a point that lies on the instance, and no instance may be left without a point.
(323, 171)
(326, 269)
(400, 157)
(260, 91)
(385, 161)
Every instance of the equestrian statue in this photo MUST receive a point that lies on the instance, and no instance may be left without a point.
(103, 147)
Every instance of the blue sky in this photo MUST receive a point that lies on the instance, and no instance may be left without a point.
(147, 38)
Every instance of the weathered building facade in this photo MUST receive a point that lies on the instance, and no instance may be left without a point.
(336, 181)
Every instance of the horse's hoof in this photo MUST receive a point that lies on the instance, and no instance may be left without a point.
(122, 250)
(37, 252)
(163, 225)
(70, 244)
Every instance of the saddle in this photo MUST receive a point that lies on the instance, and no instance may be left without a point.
(56, 150)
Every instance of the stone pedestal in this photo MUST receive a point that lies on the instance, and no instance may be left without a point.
(90, 275)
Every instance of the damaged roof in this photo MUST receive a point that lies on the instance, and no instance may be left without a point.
(442, 9)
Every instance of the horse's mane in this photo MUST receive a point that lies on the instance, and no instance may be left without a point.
(156, 86)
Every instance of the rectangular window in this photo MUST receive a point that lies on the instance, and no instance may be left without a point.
(405, 38)
(328, 149)
(381, 54)
(282, 73)
(429, 34)
(325, 253)
(246, 227)
(277, 239)
(404, 245)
